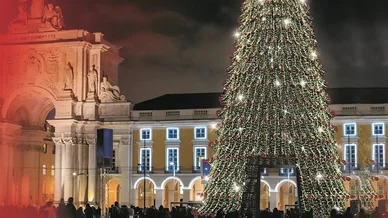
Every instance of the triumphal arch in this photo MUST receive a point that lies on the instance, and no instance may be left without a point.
(46, 67)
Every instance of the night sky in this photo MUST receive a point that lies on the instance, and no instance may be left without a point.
(182, 46)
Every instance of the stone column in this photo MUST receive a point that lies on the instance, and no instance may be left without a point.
(82, 172)
(9, 135)
(92, 169)
(4, 170)
(134, 200)
(186, 195)
(273, 200)
(69, 169)
(63, 165)
(58, 192)
(125, 171)
(158, 197)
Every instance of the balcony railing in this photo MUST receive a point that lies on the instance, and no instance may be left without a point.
(349, 168)
(196, 169)
(113, 170)
(172, 169)
(148, 170)
(378, 167)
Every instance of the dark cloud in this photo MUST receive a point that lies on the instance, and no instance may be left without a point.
(173, 46)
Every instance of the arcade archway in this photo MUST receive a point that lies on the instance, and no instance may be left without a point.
(264, 196)
(196, 189)
(149, 193)
(113, 191)
(287, 194)
(172, 191)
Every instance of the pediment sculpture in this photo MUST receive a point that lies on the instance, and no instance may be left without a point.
(34, 16)
(109, 92)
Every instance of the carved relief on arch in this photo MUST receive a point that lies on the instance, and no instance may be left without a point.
(40, 68)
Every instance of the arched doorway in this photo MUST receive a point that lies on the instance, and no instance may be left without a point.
(113, 191)
(172, 192)
(149, 193)
(286, 194)
(264, 196)
(196, 189)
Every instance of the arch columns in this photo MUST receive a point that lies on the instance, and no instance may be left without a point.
(8, 141)
(186, 194)
(126, 173)
(158, 197)
(58, 191)
(273, 199)
(92, 169)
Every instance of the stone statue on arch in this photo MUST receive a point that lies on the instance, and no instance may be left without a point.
(92, 80)
(109, 92)
(68, 77)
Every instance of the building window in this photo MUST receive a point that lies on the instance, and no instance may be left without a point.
(172, 133)
(379, 154)
(52, 170)
(199, 154)
(200, 132)
(378, 129)
(146, 159)
(380, 190)
(53, 151)
(145, 134)
(172, 159)
(350, 129)
(286, 171)
(350, 155)
(45, 148)
(353, 189)
(114, 159)
(44, 169)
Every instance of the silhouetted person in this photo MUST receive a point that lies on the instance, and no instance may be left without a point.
(116, 213)
(80, 213)
(61, 210)
(49, 211)
(71, 211)
(98, 212)
(88, 211)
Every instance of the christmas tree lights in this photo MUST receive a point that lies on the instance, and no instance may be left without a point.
(276, 108)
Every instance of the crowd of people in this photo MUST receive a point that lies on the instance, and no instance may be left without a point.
(117, 211)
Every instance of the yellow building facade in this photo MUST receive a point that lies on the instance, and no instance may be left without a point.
(166, 144)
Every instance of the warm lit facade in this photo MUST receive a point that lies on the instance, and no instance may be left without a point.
(169, 139)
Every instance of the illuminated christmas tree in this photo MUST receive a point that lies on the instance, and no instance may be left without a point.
(275, 108)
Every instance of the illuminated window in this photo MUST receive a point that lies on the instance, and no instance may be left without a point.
(146, 159)
(200, 132)
(172, 133)
(199, 154)
(45, 148)
(145, 134)
(44, 169)
(378, 129)
(379, 154)
(350, 129)
(350, 154)
(52, 170)
(172, 159)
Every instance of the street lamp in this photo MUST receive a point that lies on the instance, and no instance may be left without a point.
(74, 174)
(173, 167)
